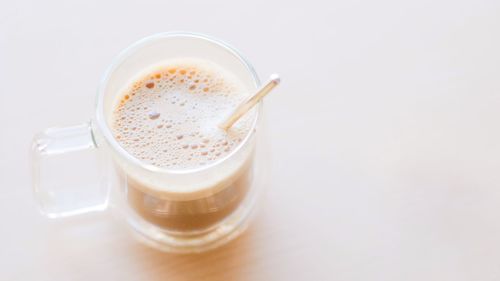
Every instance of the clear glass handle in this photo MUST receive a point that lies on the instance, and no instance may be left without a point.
(70, 176)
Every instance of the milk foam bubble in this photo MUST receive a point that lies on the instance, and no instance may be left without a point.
(169, 116)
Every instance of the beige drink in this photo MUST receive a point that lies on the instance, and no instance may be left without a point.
(168, 117)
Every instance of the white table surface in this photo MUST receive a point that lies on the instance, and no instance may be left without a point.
(385, 138)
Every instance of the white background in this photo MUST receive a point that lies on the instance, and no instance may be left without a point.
(384, 134)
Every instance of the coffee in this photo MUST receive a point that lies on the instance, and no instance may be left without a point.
(168, 117)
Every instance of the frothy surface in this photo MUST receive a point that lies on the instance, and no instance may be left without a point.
(169, 116)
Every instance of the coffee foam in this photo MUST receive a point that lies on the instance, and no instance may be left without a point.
(169, 116)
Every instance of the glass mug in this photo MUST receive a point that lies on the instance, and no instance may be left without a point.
(189, 210)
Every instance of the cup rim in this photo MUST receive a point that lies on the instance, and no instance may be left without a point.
(123, 55)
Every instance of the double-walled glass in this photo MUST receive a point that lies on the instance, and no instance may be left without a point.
(188, 210)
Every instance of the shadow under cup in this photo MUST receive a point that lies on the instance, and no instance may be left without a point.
(180, 210)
